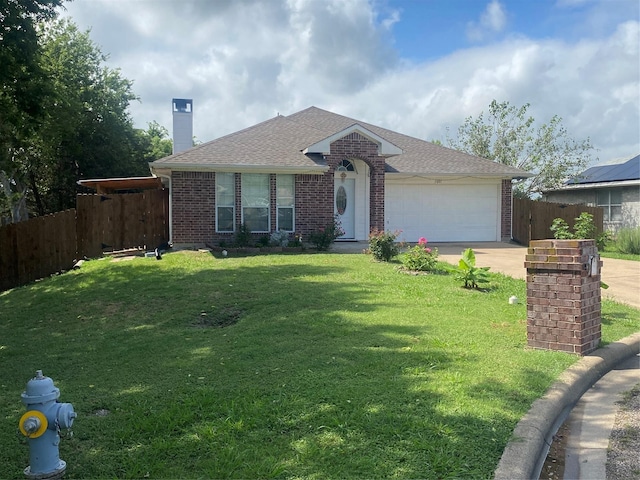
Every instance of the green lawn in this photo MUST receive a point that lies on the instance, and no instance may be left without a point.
(292, 366)
(612, 253)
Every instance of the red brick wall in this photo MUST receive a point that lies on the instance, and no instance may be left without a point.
(193, 206)
(507, 211)
(193, 195)
(563, 298)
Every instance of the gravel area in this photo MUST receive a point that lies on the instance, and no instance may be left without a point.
(623, 457)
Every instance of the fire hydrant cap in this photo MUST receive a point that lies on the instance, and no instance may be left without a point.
(40, 389)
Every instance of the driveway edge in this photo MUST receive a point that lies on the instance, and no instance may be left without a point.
(527, 449)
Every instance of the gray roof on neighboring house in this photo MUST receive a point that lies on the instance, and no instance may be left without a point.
(629, 170)
(279, 143)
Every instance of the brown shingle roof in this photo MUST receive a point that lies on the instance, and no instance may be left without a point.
(278, 143)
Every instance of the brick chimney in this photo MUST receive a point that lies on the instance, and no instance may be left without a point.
(182, 124)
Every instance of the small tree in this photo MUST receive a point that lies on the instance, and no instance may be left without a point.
(508, 135)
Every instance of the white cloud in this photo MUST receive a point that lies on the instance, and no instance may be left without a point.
(492, 21)
(243, 62)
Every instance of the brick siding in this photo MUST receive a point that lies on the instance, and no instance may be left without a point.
(193, 196)
(507, 206)
(563, 298)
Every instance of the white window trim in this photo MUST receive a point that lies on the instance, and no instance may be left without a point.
(607, 206)
(233, 206)
(268, 206)
(292, 207)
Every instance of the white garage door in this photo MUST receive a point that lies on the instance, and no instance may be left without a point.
(443, 213)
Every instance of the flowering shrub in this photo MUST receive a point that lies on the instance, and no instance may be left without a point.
(325, 236)
(382, 244)
(420, 258)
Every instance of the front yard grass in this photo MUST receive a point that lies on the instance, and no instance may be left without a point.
(292, 366)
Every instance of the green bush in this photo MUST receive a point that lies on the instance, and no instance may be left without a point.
(628, 241)
(382, 245)
(582, 228)
(421, 258)
(325, 236)
(243, 236)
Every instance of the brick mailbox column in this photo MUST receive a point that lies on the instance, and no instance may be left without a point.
(563, 295)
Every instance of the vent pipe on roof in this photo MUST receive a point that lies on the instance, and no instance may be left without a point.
(182, 124)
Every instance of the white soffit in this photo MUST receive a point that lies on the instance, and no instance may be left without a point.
(385, 147)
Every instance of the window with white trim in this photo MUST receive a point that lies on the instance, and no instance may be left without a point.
(285, 202)
(225, 202)
(255, 201)
(611, 202)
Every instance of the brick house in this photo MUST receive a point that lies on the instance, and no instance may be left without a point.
(294, 173)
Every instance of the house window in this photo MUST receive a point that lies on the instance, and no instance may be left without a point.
(345, 166)
(255, 201)
(611, 202)
(285, 202)
(225, 202)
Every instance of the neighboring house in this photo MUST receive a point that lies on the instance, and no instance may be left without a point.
(294, 173)
(614, 187)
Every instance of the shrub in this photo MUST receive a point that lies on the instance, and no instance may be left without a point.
(243, 236)
(280, 238)
(420, 258)
(323, 238)
(582, 228)
(560, 229)
(382, 245)
(628, 240)
(468, 272)
(263, 241)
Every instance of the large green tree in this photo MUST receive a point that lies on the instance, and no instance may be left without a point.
(23, 85)
(510, 136)
(156, 142)
(87, 131)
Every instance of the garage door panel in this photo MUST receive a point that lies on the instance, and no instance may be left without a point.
(443, 213)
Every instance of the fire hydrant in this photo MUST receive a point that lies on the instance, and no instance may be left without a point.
(41, 424)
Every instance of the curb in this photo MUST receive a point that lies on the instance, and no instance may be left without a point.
(527, 449)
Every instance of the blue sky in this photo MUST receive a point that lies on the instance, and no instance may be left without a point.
(429, 29)
(419, 67)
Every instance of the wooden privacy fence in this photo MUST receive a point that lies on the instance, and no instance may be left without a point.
(532, 219)
(119, 221)
(46, 245)
(37, 248)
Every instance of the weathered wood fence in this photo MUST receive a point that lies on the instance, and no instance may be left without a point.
(46, 245)
(532, 219)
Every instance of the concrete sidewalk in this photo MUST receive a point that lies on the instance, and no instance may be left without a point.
(524, 455)
(591, 422)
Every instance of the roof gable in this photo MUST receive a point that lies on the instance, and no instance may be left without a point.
(324, 146)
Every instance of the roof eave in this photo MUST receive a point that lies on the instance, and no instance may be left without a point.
(503, 176)
(236, 168)
(583, 186)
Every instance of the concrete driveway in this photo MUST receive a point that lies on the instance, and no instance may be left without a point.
(622, 276)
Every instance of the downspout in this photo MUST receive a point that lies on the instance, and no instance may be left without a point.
(168, 177)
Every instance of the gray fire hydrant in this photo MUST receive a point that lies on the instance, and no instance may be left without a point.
(41, 424)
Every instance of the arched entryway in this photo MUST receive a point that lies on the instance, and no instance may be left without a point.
(351, 198)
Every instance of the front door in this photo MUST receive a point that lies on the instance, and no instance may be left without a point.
(344, 201)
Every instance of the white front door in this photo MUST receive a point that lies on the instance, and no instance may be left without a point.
(344, 205)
